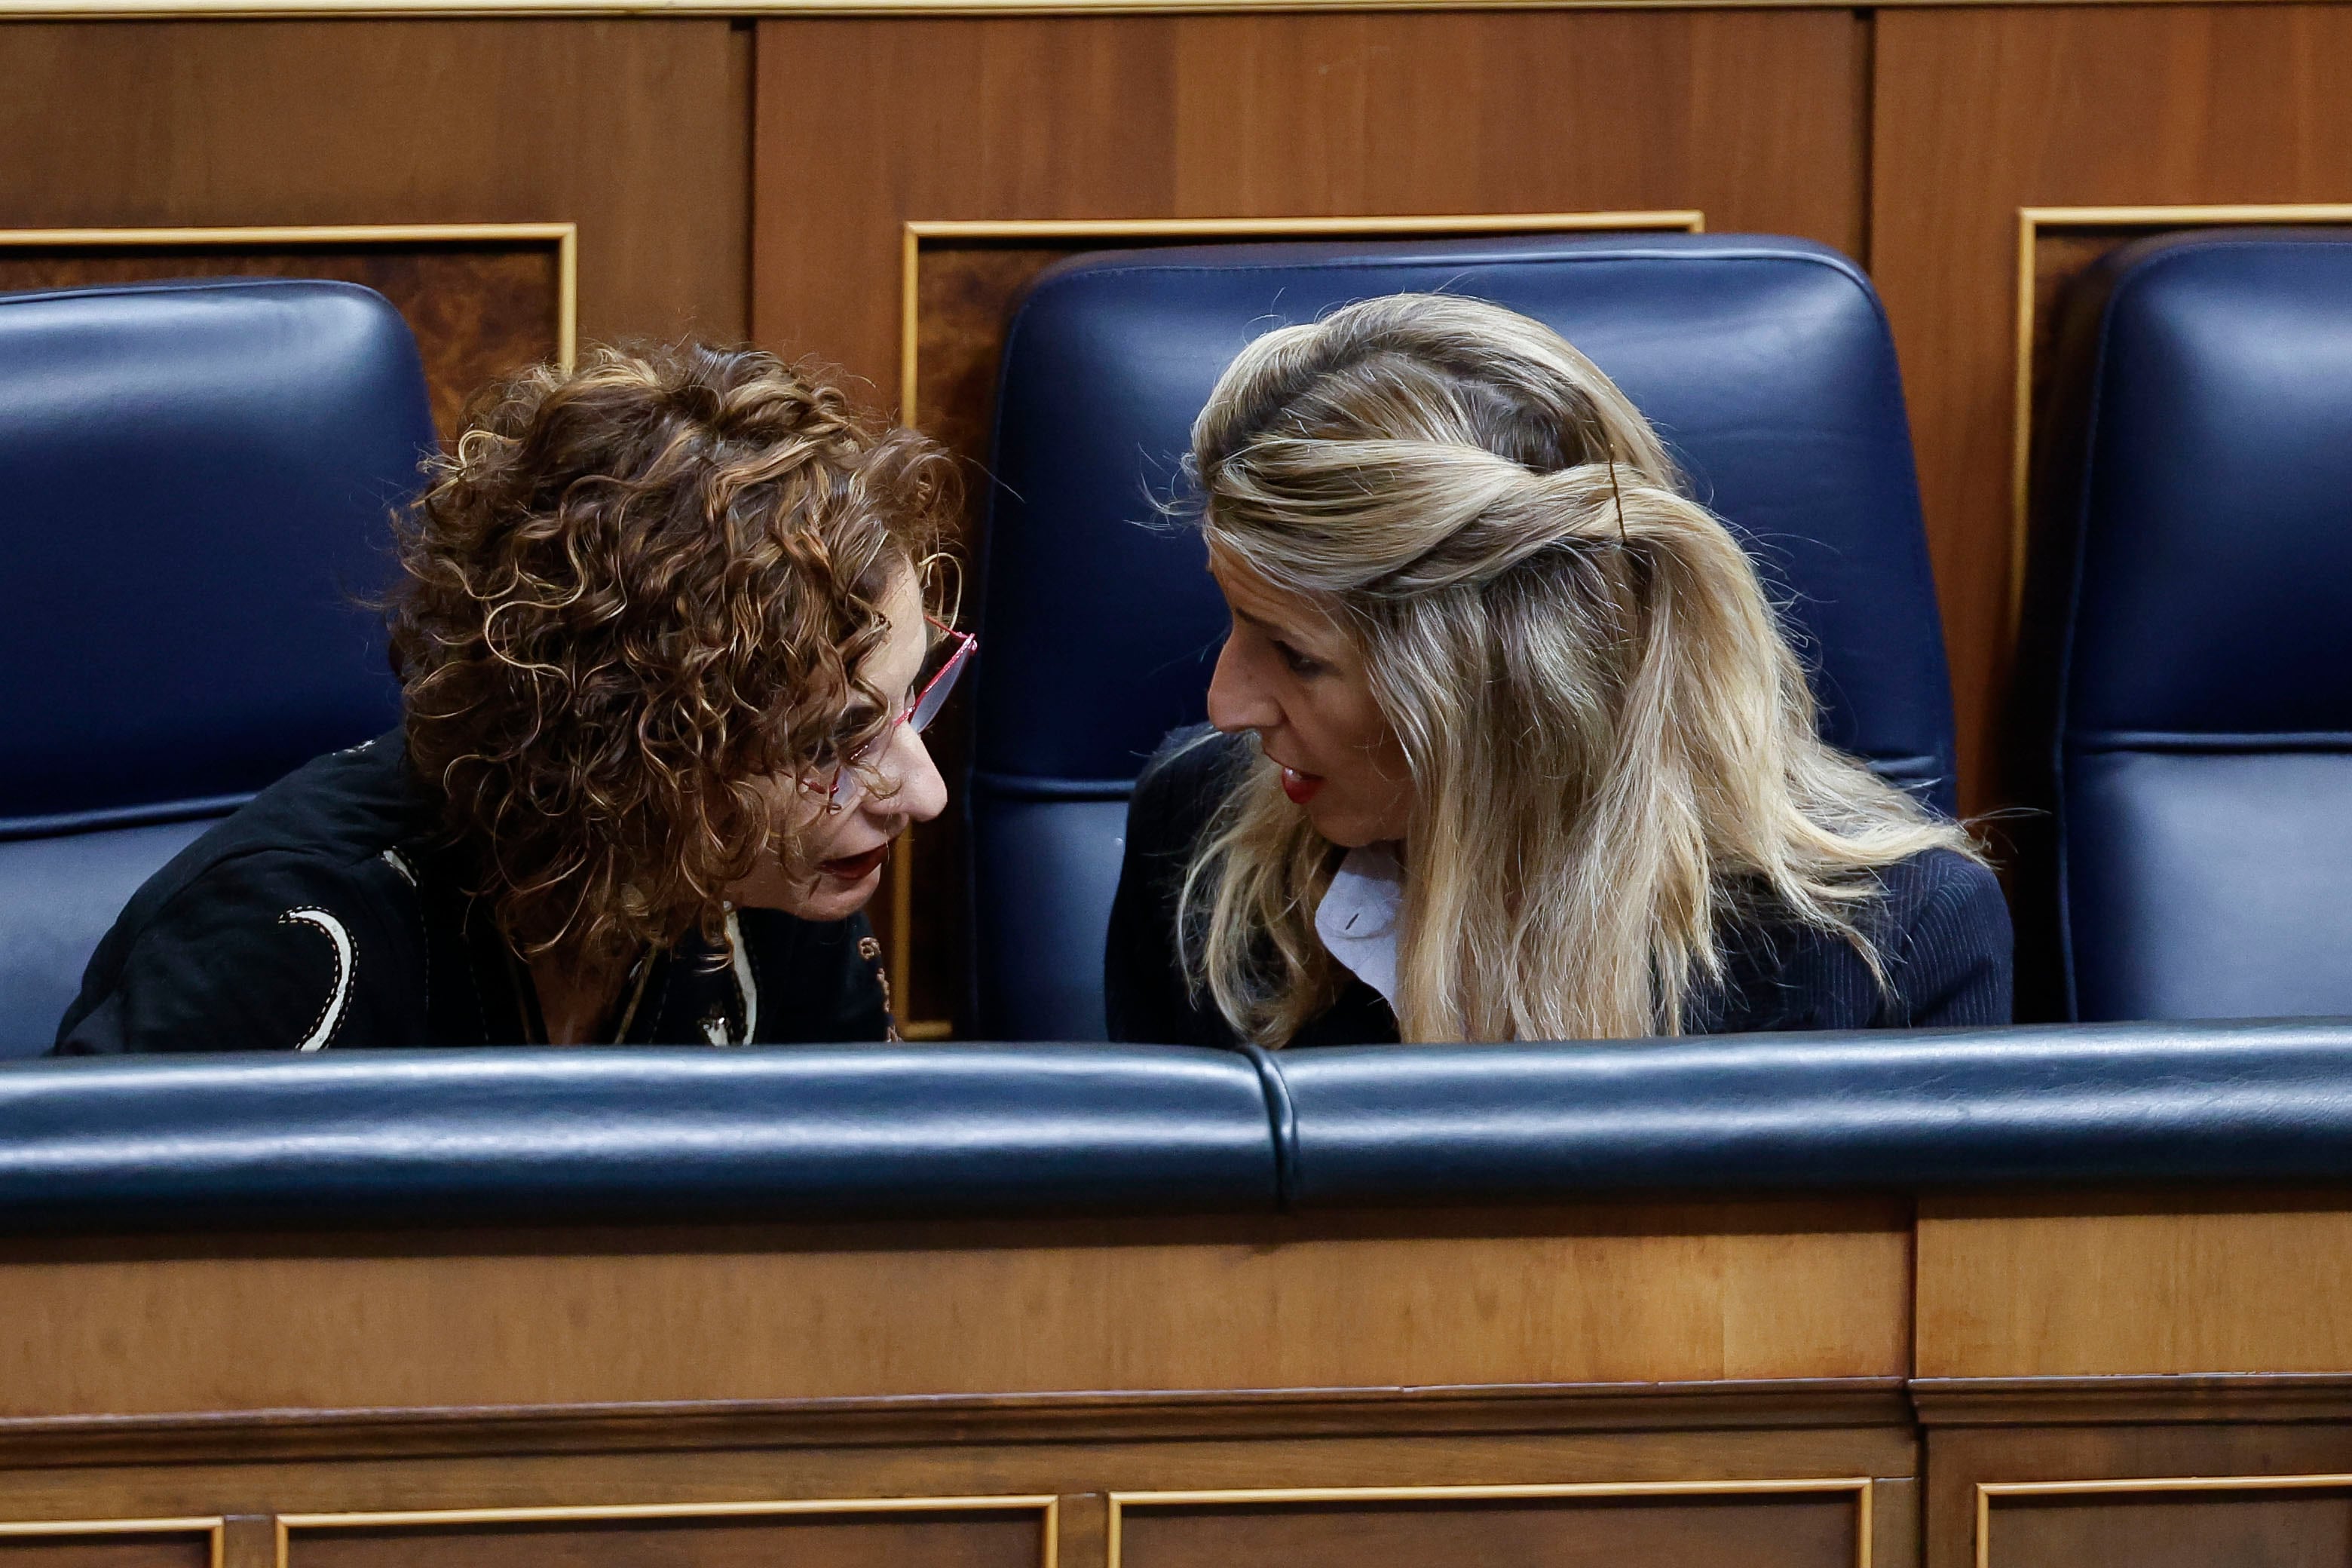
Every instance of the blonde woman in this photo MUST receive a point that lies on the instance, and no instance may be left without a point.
(1509, 744)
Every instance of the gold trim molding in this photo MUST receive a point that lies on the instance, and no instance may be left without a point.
(231, 10)
(213, 1526)
(1858, 1486)
(1048, 1507)
(1090, 233)
(2124, 222)
(565, 237)
(1988, 1490)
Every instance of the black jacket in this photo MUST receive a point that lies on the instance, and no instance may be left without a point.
(1942, 927)
(326, 913)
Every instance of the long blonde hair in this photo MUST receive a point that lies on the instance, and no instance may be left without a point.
(1611, 744)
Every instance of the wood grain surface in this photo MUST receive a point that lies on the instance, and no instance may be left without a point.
(1077, 1467)
(634, 129)
(1978, 111)
(2201, 1526)
(947, 1539)
(1637, 1293)
(2171, 1530)
(102, 1551)
(1074, 1464)
(1765, 1530)
(1754, 119)
(2073, 1287)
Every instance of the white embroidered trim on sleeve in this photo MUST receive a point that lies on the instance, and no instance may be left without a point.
(743, 981)
(330, 1015)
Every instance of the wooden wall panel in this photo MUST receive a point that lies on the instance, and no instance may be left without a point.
(1980, 112)
(2172, 1530)
(1639, 1293)
(463, 1460)
(2028, 1287)
(2191, 1524)
(1755, 119)
(101, 1549)
(635, 129)
(1814, 1529)
(947, 1538)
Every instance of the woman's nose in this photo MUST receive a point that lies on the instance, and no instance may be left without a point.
(921, 793)
(1237, 700)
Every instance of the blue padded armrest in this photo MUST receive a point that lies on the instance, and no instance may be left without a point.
(1889, 1111)
(57, 896)
(509, 1135)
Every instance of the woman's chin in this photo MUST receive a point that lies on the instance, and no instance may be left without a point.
(1340, 828)
(837, 899)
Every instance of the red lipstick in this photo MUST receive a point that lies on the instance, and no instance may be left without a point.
(854, 867)
(1300, 787)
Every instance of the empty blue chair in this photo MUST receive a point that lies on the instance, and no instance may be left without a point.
(195, 481)
(1765, 363)
(2188, 659)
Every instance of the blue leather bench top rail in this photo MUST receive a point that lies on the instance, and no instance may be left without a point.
(815, 1134)
(2056, 1106)
(518, 1135)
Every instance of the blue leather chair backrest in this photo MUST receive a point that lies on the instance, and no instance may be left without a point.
(2190, 631)
(195, 486)
(1765, 363)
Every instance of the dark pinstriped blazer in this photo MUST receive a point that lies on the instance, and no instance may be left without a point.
(1941, 926)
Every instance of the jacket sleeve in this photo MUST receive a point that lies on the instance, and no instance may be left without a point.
(1145, 995)
(266, 952)
(1956, 970)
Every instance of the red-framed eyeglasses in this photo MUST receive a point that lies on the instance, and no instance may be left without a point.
(947, 657)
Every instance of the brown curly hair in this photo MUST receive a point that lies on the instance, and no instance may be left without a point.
(631, 595)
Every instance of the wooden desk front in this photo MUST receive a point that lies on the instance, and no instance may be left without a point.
(1763, 1382)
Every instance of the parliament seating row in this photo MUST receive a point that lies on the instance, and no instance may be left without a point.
(200, 474)
(931, 1132)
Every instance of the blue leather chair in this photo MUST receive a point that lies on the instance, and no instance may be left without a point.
(197, 477)
(1764, 361)
(2187, 670)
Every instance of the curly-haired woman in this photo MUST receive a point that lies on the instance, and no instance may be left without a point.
(665, 660)
(1514, 745)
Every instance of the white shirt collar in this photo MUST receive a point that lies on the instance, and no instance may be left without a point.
(1357, 916)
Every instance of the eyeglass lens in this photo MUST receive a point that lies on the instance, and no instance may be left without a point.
(935, 694)
(933, 697)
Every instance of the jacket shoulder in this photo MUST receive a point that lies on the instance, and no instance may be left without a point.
(345, 808)
(292, 925)
(1952, 964)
